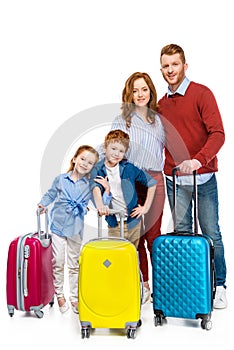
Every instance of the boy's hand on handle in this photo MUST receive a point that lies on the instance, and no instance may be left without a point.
(188, 166)
(104, 210)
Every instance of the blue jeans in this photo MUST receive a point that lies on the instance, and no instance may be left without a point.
(208, 217)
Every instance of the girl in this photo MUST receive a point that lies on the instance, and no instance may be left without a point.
(70, 193)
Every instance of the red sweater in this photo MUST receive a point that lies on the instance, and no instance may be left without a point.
(193, 128)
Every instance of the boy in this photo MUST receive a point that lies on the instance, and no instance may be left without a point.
(115, 174)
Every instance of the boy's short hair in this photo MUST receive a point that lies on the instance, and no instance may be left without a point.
(117, 136)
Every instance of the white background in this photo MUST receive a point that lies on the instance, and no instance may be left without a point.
(59, 58)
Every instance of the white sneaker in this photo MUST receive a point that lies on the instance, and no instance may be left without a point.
(220, 300)
(64, 308)
(146, 295)
(74, 307)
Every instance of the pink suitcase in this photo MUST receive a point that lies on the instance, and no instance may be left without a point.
(29, 280)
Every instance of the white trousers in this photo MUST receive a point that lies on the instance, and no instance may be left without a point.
(66, 250)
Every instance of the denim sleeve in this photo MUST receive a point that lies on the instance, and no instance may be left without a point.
(107, 198)
(144, 178)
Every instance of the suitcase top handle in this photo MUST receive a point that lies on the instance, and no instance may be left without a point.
(39, 210)
(112, 212)
(174, 171)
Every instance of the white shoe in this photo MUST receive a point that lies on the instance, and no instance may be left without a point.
(220, 300)
(74, 307)
(64, 308)
(62, 304)
(146, 295)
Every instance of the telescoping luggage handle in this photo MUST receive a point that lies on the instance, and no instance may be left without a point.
(174, 171)
(112, 212)
(46, 232)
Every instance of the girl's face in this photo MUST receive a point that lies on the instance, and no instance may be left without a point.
(115, 152)
(84, 163)
(141, 93)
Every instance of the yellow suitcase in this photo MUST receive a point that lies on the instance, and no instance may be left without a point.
(109, 285)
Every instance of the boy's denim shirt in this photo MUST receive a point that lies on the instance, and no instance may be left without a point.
(129, 174)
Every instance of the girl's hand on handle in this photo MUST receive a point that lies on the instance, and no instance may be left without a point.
(43, 208)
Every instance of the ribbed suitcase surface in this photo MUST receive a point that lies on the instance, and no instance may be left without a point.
(29, 283)
(29, 276)
(182, 276)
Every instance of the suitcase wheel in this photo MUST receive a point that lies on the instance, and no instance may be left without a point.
(131, 333)
(139, 323)
(158, 320)
(39, 313)
(85, 332)
(207, 325)
(10, 311)
(51, 303)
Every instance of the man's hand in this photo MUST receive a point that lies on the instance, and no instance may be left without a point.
(188, 166)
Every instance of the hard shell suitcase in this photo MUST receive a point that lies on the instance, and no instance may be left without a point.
(183, 272)
(29, 278)
(109, 291)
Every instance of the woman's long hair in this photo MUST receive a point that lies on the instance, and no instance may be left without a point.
(128, 105)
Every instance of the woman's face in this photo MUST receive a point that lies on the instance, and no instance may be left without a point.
(141, 93)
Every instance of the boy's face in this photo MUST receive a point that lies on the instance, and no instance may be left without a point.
(114, 152)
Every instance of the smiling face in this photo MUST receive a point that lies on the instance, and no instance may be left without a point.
(114, 152)
(84, 163)
(141, 93)
(173, 70)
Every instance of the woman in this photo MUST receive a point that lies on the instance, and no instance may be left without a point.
(140, 119)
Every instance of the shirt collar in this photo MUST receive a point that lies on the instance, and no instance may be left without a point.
(181, 88)
(134, 114)
(68, 176)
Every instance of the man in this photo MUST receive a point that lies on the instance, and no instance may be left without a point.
(194, 135)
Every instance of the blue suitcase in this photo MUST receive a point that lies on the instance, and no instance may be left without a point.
(183, 273)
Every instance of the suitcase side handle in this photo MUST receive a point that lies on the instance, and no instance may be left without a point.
(174, 171)
(112, 212)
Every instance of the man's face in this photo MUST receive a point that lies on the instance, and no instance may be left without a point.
(173, 70)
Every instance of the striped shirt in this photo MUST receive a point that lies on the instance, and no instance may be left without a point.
(146, 142)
